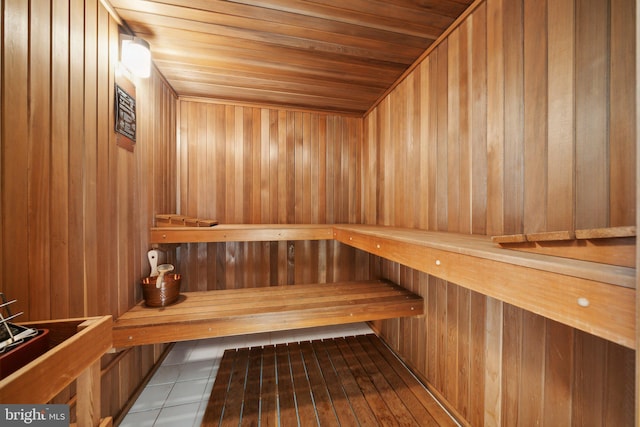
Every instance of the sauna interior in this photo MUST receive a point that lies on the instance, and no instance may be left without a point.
(518, 118)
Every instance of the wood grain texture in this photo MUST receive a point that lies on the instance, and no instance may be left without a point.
(548, 132)
(207, 314)
(561, 125)
(346, 381)
(519, 283)
(35, 384)
(592, 104)
(331, 56)
(622, 133)
(311, 176)
(15, 175)
(75, 208)
(536, 111)
(98, 202)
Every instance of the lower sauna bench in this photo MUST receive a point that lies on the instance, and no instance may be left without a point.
(218, 313)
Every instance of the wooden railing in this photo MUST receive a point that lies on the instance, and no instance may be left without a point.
(76, 347)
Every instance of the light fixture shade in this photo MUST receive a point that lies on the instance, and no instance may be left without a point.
(136, 56)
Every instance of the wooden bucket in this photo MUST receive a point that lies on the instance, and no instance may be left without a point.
(166, 295)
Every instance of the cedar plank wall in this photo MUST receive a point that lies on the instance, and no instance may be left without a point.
(491, 147)
(244, 164)
(521, 120)
(75, 208)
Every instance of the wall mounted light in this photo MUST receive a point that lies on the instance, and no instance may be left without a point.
(135, 55)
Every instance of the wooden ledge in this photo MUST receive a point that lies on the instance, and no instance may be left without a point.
(611, 245)
(175, 220)
(217, 313)
(591, 233)
(241, 233)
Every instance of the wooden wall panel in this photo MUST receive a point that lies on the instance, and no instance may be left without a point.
(591, 104)
(561, 123)
(59, 270)
(526, 124)
(621, 130)
(243, 164)
(76, 208)
(495, 364)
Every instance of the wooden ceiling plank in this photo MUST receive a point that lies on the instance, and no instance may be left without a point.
(409, 20)
(270, 98)
(307, 47)
(449, 8)
(330, 91)
(330, 70)
(400, 30)
(279, 34)
(220, 46)
(325, 55)
(264, 80)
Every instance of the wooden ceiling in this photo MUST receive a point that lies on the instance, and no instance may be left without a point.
(327, 55)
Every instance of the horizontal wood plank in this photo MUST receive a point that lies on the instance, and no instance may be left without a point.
(608, 232)
(240, 233)
(547, 236)
(173, 220)
(240, 311)
(619, 251)
(611, 245)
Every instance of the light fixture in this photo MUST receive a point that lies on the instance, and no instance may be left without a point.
(136, 56)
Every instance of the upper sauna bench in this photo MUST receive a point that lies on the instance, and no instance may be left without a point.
(596, 297)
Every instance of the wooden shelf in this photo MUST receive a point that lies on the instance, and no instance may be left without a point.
(76, 347)
(591, 296)
(217, 313)
(240, 233)
(612, 245)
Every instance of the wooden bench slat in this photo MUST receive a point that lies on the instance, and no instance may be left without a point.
(608, 232)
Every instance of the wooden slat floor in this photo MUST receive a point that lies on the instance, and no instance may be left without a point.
(337, 382)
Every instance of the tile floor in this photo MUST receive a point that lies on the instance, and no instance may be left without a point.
(178, 392)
